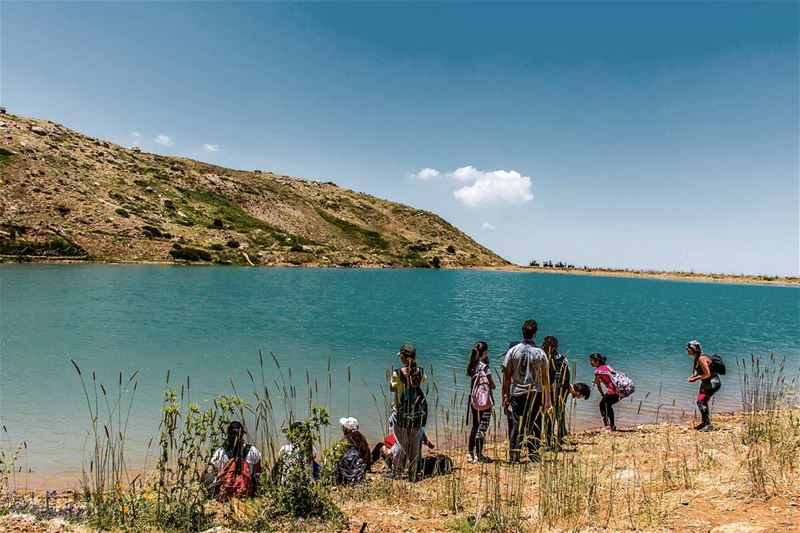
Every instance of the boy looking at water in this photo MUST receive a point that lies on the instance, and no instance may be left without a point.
(526, 389)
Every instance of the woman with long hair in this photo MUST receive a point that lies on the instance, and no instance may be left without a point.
(236, 465)
(481, 400)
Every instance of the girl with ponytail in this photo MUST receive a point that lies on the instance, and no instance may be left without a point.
(602, 378)
(481, 400)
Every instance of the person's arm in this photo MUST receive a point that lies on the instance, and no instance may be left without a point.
(256, 458)
(704, 366)
(491, 382)
(394, 381)
(598, 381)
(506, 368)
(506, 385)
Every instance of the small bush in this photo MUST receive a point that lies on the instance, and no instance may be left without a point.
(232, 243)
(122, 212)
(218, 224)
(218, 247)
(436, 262)
(297, 248)
(190, 254)
(451, 249)
(152, 232)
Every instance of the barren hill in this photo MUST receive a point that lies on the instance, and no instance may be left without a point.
(64, 195)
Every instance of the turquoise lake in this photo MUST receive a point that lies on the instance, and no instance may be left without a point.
(209, 323)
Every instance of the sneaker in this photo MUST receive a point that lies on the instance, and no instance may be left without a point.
(700, 426)
(606, 428)
(484, 459)
(707, 427)
(472, 458)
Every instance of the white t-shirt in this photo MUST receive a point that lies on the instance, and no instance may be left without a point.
(220, 457)
(291, 457)
(526, 362)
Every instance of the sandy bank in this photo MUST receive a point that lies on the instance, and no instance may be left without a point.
(745, 476)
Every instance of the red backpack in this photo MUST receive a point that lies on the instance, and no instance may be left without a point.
(235, 478)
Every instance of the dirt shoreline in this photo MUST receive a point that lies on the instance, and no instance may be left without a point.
(674, 479)
(676, 276)
(611, 273)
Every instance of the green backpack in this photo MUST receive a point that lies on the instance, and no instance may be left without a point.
(412, 409)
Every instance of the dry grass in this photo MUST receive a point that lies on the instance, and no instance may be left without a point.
(658, 477)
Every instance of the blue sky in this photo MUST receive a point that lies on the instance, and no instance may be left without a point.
(641, 135)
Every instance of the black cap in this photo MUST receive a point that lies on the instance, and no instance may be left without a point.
(408, 349)
(237, 426)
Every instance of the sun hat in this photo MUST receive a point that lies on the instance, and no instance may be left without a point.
(349, 423)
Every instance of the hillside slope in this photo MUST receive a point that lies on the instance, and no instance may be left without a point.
(64, 195)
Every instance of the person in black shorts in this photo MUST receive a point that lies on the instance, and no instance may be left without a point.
(709, 382)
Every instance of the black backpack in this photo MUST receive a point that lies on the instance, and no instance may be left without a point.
(412, 409)
(351, 468)
(717, 365)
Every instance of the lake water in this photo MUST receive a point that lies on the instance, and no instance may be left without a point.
(209, 323)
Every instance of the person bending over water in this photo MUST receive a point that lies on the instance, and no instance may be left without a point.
(703, 371)
(411, 411)
(481, 400)
(602, 378)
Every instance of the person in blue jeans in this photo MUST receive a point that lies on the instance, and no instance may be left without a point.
(526, 390)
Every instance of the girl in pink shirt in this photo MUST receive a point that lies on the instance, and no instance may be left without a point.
(602, 378)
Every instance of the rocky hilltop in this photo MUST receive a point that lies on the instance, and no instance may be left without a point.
(67, 196)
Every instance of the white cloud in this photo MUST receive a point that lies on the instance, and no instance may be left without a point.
(426, 174)
(498, 187)
(466, 173)
(164, 140)
(211, 147)
(487, 227)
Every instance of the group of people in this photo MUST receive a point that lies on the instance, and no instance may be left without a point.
(535, 387)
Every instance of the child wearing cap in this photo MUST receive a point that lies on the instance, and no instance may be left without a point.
(405, 384)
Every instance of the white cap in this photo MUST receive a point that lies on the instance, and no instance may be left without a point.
(349, 423)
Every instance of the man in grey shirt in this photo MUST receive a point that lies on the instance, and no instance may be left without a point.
(526, 392)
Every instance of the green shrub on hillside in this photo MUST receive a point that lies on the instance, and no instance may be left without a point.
(187, 253)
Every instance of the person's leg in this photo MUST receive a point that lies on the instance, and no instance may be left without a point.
(707, 390)
(604, 410)
(534, 429)
(561, 415)
(608, 402)
(516, 420)
(402, 438)
(473, 434)
(413, 453)
(483, 427)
